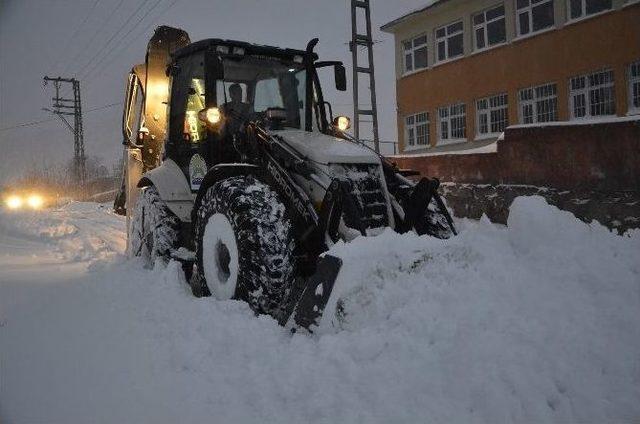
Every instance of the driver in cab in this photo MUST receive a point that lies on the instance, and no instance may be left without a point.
(236, 110)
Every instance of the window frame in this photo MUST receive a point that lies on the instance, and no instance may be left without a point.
(586, 91)
(412, 51)
(487, 112)
(484, 27)
(450, 139)
(529, 10)
(631, 108)
(445, 39)
(414, 126)
(584, 14)
(535, 101)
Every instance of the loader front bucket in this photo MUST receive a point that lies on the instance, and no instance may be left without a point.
(314, 298)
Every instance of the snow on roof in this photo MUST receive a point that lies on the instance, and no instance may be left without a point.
(591, 121)
(428, 5)
(489, 148)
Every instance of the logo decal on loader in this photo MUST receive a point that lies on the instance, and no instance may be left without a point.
(197, 171)
(297, 203)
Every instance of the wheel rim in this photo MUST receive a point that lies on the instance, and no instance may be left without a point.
(220, 257)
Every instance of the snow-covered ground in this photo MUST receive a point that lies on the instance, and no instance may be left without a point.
(537, 322)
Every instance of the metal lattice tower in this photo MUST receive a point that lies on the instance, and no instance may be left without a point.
(363, 40)
(62, 107)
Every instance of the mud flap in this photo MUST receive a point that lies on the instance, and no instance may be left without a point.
(316, 294)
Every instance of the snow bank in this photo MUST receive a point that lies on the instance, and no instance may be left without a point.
(537, 322)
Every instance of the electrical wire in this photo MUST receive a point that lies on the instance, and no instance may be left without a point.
(42, 121)
(90, 78)
(95, 34)
(53, 67)
(103, 50)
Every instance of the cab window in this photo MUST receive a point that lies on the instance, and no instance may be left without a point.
(194, 129)
(187, 99)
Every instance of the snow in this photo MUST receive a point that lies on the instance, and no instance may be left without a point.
(488, 148)
(586, 121)
(534, 322)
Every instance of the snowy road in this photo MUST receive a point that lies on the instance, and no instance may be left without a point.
(539, 322)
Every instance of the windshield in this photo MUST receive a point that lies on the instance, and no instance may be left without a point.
(252, 85)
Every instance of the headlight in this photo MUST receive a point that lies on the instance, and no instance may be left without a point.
(14, 202)
(211, 115)
(35, 201)
(342, 123)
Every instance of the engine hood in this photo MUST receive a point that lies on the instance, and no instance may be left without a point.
(327, 149)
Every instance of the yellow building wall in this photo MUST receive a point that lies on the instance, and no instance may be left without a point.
(609, 40)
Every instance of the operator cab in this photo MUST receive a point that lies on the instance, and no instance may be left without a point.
(218, 86)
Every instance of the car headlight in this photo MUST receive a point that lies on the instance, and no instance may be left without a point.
(14, 202)
(35, 201)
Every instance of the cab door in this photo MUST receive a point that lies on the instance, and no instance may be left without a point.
(187, 140)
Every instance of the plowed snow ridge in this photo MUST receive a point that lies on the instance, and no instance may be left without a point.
(537, 322)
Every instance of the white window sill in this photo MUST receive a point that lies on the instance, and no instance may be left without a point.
(533, 34)
(631, 3)
(480, 137)
(633, 111)
(451, 141)
(587, 17)
(486, 49)
(415, 71)
(444, 62)
(408, 148)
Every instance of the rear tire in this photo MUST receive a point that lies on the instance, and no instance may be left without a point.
(154, 228)
(245, 243)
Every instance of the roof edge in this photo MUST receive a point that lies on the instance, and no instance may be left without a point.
(387, 27)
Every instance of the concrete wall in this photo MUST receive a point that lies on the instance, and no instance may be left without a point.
(607, 40)
(603, 156)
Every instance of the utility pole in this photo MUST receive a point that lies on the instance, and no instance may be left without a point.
(364, 40)
(62, 107)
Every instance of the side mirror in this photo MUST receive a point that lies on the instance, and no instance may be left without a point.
(340, 77)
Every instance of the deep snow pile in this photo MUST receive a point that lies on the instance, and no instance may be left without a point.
(537, 322)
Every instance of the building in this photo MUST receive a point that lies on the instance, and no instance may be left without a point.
(466, 69)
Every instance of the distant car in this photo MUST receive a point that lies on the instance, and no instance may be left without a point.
(25, 200)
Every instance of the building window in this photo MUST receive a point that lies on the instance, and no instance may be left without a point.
(453, 123)
(634, 87)
(533, 15)
(592, 95)
(415, 53)
(489, 28)
(539, 104)
(449, 41)
(583, 8)
(417, 131)
(492, 115)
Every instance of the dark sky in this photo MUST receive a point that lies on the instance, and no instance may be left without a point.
(39, 37)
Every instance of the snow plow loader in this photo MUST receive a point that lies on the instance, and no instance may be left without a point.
(235, 166)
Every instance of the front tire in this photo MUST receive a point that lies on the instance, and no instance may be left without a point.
(245, 244)
(154, 228)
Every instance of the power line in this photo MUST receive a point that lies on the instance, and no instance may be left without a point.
(138, 35)
(123, 38)
(27, 124)
(30, 124)
(75, 33)
(103, 49)
(95, 34)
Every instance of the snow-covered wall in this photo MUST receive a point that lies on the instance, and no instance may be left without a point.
(601, 155)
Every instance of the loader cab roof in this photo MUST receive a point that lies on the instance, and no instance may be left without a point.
(249, 49)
